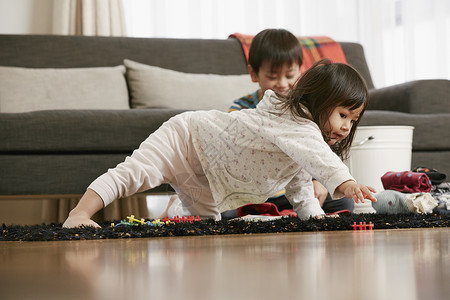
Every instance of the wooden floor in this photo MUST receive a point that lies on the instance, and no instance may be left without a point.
(380, 264)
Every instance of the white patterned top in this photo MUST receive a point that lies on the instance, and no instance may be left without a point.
(250, 155)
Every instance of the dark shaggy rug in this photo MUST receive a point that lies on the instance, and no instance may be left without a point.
(55, 232)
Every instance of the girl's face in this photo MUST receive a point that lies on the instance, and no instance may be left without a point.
(340, 123)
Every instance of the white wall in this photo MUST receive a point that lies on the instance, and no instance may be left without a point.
(26, 16)
(424, 32)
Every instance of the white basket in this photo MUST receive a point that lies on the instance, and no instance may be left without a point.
(376, 150)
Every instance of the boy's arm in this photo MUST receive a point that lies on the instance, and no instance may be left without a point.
(320, 191)
(89, 204)
(247, 101)
(235, 106)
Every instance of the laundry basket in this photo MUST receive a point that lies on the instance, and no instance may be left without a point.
(376, 150)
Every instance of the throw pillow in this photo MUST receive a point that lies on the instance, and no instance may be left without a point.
(30, 89)
(152, 86)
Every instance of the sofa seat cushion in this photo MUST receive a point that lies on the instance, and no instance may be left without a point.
(79, 131)
(426, 136)
(31, 89)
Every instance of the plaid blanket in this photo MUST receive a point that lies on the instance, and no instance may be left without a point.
(314, 49)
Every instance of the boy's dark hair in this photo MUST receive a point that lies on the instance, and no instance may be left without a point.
(324, 87)
(278, 46)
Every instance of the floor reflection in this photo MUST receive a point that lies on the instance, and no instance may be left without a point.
(395, 264)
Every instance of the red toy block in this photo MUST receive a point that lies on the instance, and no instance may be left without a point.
(183, 219)
(362, 226)
(192, 219)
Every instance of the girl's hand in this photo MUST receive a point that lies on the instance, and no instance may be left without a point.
(79, 220)
(81, 215)
(358, 192)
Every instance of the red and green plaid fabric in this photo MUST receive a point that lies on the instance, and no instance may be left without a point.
(318, 47)
(314, 49)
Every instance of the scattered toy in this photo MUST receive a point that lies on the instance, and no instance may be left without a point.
(362, 226)
(183, 219)
(133, 221)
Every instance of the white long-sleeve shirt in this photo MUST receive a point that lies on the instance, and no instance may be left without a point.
(250, 155)
(247, 157)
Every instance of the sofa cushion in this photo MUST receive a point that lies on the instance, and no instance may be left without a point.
(154, 87)
(28, 89)
(79, 131)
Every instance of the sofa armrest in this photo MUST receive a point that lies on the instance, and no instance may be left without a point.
(430, 132)
(419, 97)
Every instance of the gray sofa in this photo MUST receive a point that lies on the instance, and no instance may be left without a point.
(59, 152)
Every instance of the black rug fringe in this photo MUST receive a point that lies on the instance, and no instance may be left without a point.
(55, 232)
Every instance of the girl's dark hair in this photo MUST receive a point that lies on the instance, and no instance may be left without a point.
(324, 87)
(277, 46)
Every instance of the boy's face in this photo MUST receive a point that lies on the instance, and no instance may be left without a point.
(341, 122)
(280, 81)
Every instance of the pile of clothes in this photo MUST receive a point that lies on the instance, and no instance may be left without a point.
(421, 190)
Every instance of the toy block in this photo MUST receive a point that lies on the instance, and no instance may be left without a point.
(183, 219)
(362, 226)
(131, 219)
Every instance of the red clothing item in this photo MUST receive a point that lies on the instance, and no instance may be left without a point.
(406, 182)
(263, 209)
(270, 209)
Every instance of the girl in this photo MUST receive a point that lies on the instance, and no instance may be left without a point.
(217, 161)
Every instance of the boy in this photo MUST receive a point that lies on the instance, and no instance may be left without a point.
(274, 63)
